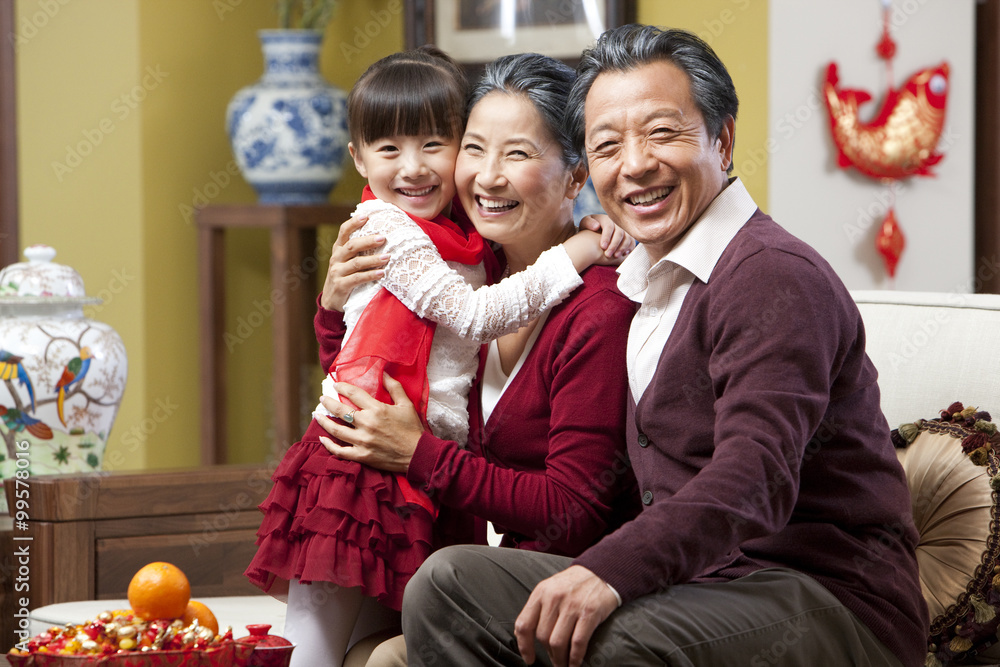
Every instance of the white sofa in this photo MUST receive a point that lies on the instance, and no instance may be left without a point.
(931, 349)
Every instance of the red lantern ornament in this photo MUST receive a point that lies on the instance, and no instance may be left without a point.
(900, 141)
(890, 242)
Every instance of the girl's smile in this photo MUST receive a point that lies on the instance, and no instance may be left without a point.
(416, 173)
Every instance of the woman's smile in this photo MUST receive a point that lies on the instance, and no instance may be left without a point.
(494, 205)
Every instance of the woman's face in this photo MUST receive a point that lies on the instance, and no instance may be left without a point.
(510, 175)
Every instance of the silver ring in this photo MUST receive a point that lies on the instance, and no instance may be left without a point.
(349, 417)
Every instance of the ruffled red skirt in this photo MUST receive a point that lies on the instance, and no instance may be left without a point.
(327, 519)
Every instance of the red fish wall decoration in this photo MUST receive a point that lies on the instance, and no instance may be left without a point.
(899, 142)
(902, 138)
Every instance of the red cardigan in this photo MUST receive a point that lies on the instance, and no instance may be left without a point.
(549, 468)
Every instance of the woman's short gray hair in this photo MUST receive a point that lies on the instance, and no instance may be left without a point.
(544, 81)
(632, 46)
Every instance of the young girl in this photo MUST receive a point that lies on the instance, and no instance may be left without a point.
(336, 521)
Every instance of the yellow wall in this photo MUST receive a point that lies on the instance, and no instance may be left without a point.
(737, 30)
(208, 51)
(80, 189)
(156, 76)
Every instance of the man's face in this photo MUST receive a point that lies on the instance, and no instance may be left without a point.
(653, 164)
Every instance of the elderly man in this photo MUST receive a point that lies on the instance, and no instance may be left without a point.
(776, 526)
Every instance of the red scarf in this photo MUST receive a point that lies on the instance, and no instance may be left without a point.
(390, 338)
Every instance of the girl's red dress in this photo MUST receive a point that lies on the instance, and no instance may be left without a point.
(331, 520)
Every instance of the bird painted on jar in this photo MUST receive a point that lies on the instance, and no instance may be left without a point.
(73, 373)
(19, 421)
(11, 367)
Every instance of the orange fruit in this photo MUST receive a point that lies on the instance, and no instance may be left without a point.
(159, 590)
(205, 617)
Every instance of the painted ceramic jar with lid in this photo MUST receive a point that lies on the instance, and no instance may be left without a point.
(62, 375)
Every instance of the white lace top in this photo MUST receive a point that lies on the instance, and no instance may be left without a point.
(453, 295)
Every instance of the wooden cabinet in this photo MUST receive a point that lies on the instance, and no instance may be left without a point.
(88, 534)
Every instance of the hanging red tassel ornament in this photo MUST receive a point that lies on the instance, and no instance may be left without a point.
(890, 242)
(900, 141)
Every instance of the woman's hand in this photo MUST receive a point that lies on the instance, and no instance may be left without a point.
(615, 241)
(384, 435)
(348, 267)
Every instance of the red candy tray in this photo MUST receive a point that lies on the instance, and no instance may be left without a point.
(233, 654)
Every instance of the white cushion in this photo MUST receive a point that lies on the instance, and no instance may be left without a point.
(931, 349)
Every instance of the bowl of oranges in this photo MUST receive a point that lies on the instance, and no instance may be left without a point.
(164, 626)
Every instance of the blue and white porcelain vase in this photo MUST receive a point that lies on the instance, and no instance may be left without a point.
(289, 130)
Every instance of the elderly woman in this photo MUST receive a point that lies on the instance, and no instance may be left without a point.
(546, 460)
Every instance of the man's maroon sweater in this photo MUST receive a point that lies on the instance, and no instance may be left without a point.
(760, 443)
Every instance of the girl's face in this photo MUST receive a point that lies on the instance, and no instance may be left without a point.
(416, 173)
(510, 175)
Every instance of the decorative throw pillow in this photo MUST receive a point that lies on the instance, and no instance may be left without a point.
(953, 472)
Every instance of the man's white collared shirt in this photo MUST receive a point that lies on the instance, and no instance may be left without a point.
(660, 287)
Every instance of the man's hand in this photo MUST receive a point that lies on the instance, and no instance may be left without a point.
(562, 613)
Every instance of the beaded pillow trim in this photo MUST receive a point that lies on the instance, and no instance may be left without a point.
(970, 624)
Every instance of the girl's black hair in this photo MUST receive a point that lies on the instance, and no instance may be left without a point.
(410, 93)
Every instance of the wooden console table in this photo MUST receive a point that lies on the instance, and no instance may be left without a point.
(88, 534)
(293, 291)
